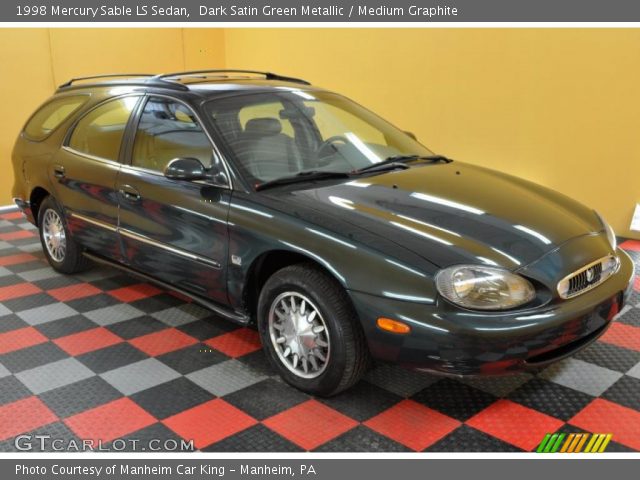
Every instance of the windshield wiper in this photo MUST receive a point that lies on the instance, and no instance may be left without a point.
(304, 176)
(398, 161)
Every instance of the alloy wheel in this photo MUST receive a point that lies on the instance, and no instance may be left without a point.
(299, 334)
(55, 239)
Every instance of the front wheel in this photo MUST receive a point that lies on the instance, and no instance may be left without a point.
(62, 252)
(310, 332)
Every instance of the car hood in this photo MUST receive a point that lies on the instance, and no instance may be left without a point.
(455, 213)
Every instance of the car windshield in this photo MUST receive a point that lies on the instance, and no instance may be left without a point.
(282, 133)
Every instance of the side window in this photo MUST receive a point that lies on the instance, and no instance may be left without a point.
(168, 130)
(99, 133)
(51, 115)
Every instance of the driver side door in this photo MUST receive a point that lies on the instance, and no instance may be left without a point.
(173, 230)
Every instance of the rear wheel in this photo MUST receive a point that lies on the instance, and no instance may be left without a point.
(62, 252)
(310, 331)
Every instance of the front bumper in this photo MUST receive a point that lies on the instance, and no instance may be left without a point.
(454, 341)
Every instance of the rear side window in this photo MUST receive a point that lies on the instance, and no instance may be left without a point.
(51, 115)
(99, 133)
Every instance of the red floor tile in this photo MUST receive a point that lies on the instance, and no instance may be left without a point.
(513, 423)
(164, 341)
(87, 341)
(603, 416)
(73, 292)
(134, 292)
(16, 259)
(19, 339)
(310, 424)
(18, 290)
(17, 235)
(237, 343)
(112, 420)
(413, 424)
(623, 335)
(209, 422)
(23, 416)
(12, 216)
(633, 245)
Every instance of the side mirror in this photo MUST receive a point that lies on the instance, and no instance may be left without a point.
(412, 135)
(185, 169)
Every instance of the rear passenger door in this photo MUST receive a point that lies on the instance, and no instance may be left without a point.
(85, 172)
(174, 230)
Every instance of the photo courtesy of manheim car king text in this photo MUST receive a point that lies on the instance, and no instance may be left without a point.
(316, 239)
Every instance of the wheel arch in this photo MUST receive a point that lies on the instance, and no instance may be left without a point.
(268, 263)
(38, 194)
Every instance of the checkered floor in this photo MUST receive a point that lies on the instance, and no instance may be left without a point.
(101, 356)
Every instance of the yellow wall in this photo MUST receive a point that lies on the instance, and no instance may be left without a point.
(34, 61)
(560, 107)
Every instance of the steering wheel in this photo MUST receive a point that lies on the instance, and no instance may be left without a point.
(328, 148)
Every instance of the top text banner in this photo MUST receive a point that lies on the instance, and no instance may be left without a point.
(346, 11)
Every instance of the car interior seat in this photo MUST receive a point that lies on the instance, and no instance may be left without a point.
(265, 151)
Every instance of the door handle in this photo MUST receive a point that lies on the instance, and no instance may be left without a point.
(58, 171)
(129, 193)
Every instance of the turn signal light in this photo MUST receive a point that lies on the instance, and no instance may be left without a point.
(393, 326)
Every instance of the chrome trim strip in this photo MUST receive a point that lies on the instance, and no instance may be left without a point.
(147, 240)
(91, 157)
(93, 221)
(169, 248)
(563, 285)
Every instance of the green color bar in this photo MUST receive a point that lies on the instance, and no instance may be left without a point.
(546, 438)
(558, 443)
(550, 443)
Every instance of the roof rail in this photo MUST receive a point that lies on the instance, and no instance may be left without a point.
(267, 75)
(169, 80)
(105, 75)
(141, 79)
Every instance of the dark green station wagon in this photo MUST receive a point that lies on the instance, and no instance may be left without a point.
(342, 237)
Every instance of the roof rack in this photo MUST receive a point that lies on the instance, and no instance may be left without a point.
(143, 79)
(223, 72)
(171, 80)
(105, 75)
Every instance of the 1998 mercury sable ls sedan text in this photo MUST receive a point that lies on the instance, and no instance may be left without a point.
(342, 237)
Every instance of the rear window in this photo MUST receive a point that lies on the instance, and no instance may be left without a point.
(51, 115)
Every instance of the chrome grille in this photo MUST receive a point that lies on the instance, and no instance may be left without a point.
(588, 277)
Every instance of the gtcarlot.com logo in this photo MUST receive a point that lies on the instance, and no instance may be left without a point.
(574, 443)
(27, 443)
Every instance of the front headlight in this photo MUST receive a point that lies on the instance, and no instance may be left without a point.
(483, 288)
(611, 235)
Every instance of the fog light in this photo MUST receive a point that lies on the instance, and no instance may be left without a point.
(393, 326)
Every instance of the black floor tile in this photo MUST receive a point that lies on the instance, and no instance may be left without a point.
(79, 396)
(192, 358)
(254, 439)
(454, 399)
(172, 397)
(113, 357)
(267, 398)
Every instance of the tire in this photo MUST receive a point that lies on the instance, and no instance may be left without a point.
(335, 324)
(62, 252)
